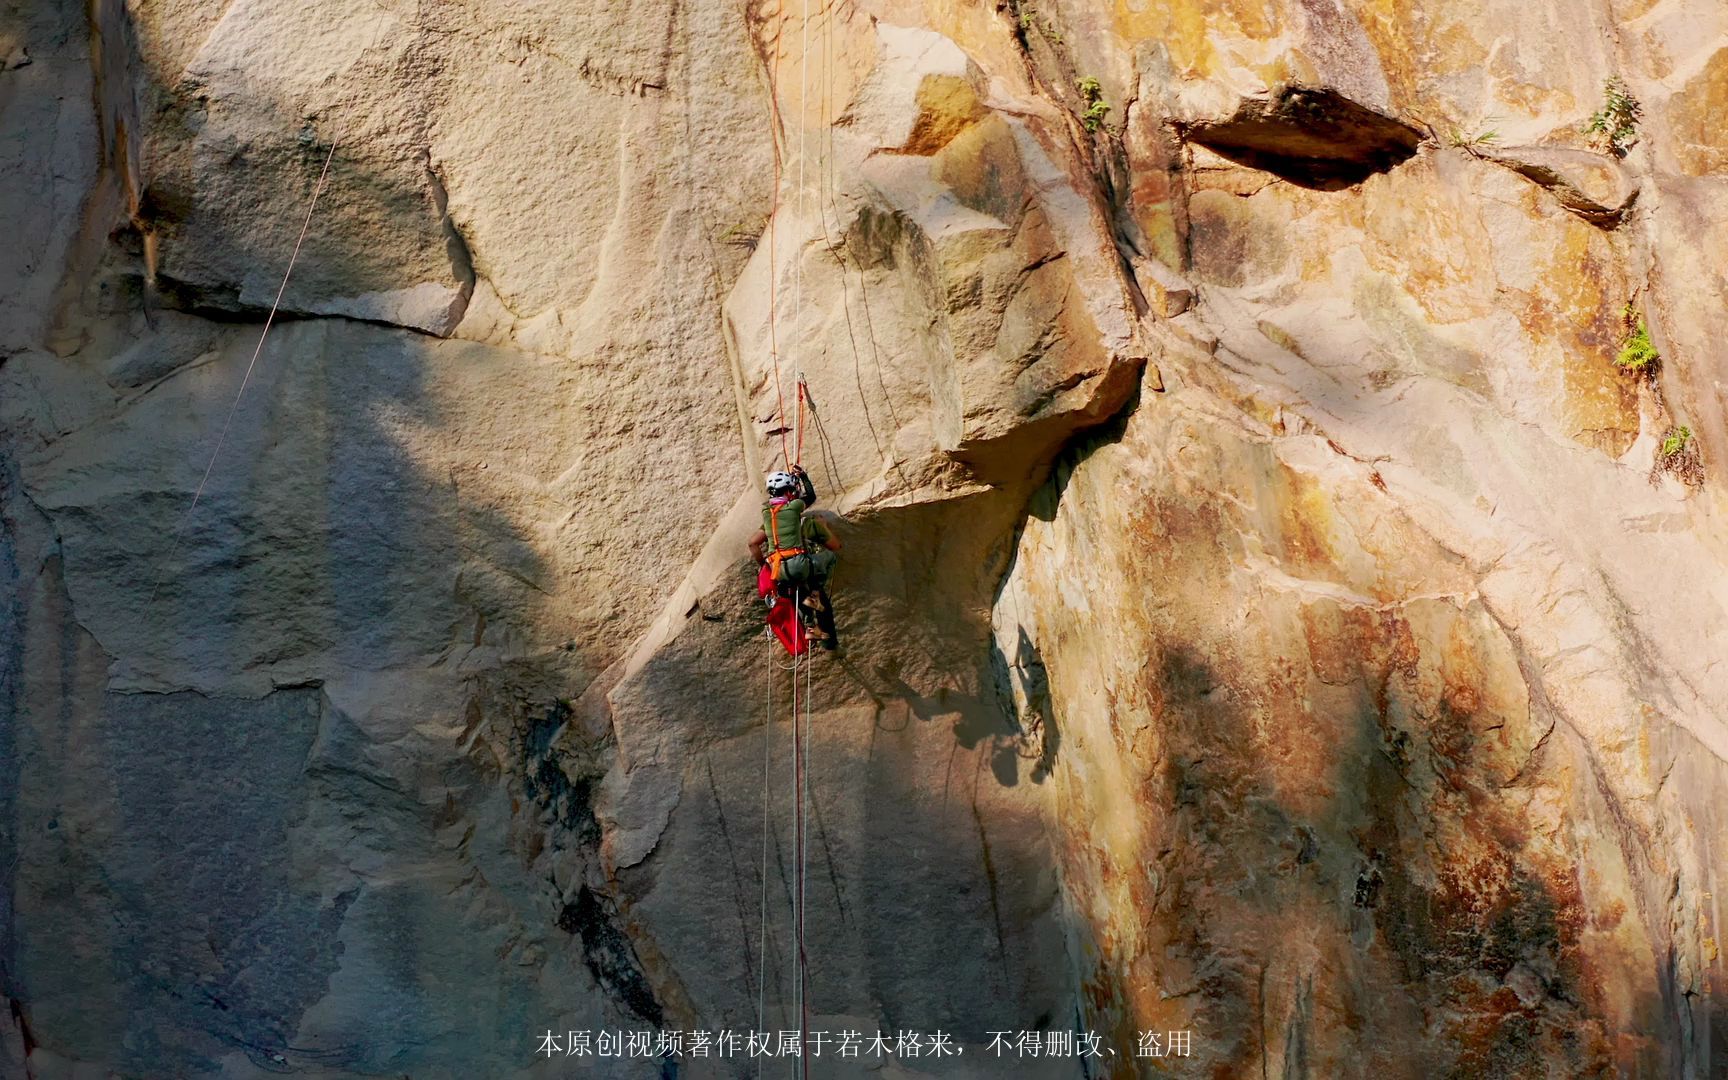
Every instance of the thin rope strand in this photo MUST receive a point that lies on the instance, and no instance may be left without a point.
(762, 940)
(798, 840)
(803, 853)
(797, 854)
(180, 530)
(798, 260)
(776, 132)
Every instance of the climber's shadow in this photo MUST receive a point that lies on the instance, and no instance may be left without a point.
(1023, 689)
(1012, 715)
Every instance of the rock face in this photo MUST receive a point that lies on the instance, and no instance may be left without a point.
(1270, 613)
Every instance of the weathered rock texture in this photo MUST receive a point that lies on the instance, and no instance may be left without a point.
(1266, 612)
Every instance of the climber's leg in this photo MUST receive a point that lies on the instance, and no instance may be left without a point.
(820, 607)
(794, 579)
(827, 636)
(821, 565)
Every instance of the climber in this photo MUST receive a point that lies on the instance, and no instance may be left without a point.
(798, 549)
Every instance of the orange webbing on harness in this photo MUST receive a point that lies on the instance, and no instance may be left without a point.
(779, 554)
(775, 558)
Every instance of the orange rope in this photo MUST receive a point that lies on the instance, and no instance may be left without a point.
(798, 449)
(775, 124)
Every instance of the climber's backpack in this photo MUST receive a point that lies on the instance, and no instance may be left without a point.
(783, 524)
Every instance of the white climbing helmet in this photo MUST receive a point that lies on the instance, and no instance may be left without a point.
(781, 483)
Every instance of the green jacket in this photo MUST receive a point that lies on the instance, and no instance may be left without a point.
(784, 525)
(787, 528)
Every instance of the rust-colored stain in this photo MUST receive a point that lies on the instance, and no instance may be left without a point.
(1694, 117)
(947, 105)
(1577, 315)
(981, 165)
(1305, 522)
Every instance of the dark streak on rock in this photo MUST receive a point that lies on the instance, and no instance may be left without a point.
(990, 876)
(22, 1024)
(828, 859)
(544, 779)
(608, 954)
(732, 863)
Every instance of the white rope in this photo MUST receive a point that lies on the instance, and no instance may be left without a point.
(269, 321)
(802, 826)
(801, 747)
(762, 938)
(798, 256)
(804, 841)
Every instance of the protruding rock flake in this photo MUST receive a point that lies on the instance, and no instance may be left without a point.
(1276, 450)
(1313, 137)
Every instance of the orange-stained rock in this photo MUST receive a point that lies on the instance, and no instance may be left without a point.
(1693, 119)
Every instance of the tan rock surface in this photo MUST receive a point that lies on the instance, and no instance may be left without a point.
(1259, 618)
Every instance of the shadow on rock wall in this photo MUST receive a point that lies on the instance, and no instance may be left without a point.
(254, 742)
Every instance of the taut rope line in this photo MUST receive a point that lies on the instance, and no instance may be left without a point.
(270, 320)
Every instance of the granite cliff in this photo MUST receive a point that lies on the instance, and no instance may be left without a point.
(1271, 611)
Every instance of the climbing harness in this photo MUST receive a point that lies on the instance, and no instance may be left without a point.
(778, 556)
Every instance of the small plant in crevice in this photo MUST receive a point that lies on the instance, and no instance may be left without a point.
(1614, 126)
(1029, 20)
(741, 235)
(1637, 352)
(1485, 136)
(1677, 455)
(1096, 107)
